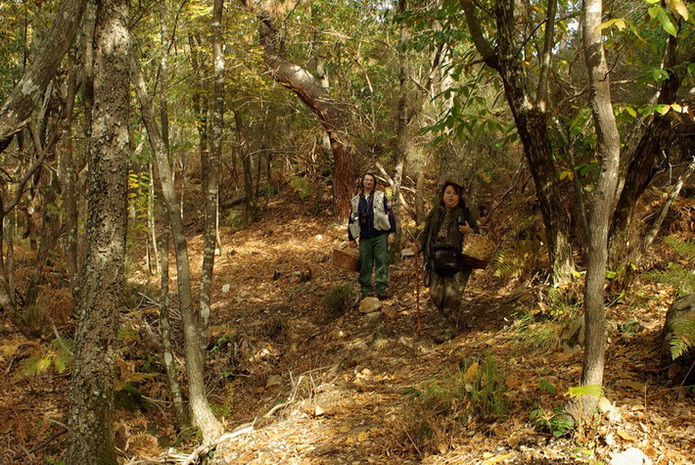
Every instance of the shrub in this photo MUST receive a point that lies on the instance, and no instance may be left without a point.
(338, 300)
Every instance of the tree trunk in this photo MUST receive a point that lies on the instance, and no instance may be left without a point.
(165, 326)
(68, 178)
(603, 201)
(644, 162)
(211, 186)
(48, 236)
(250, 201)
(403, 116)
(670, 199)
(91, 436)
(531, 123)
(16, 111)
(201, 413)
(309, 89)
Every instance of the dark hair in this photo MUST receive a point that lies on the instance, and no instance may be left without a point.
(457, 188)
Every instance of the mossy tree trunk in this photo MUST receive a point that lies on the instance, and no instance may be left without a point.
(91, 435)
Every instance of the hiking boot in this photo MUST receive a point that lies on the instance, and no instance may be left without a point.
(383, 295)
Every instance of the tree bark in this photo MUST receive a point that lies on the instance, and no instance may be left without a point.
(531, 123)
(201, 414)
(211, 186)
(91, 436)
(644, 162)
(603, 201)
(165, 327)
(309, 89)
(250, 200)
(670, 199)
(15, 112)
(402, 124)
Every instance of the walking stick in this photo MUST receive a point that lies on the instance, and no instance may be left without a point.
(417, 287)
(417, 294)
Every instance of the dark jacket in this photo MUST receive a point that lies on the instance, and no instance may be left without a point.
(428, 235)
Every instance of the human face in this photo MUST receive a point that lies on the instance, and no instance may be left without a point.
(368, 183)
(450, 197)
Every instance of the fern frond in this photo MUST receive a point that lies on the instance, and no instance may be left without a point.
(675, 275)
(34, 366)
(515, 259)
(683, 247)
(680, 342)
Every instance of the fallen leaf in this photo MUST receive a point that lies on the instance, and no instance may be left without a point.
(498, 459)
(637, 386)
(625, 436)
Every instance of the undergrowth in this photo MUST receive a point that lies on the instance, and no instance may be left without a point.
(473, 393)
(338, 300)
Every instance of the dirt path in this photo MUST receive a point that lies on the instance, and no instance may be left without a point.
(340, 391)
(342, 384)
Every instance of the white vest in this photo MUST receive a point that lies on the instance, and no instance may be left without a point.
(381, 218)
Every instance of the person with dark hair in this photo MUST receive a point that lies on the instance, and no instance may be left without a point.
(371, 222)
(441, 242)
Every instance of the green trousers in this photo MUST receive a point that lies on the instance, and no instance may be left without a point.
(374, 253)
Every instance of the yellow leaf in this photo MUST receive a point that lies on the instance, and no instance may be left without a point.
(677, 107)
(471, 373)
(625, 436)
(679, 9)
(663, 109)
(498, 459)
(362, 436)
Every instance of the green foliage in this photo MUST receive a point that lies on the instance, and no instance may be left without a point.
(593, 390)
(629, 327)
(236, 219)
(475, 391)
(58, 354)
(514, 260)
(554, 422)
(536, 331)
(547, 386)
(221, 410)
(676, 274)
(301, 186)
(224, 340)
(683, 247)
(562, 302)
(680, 342)
(338, 300)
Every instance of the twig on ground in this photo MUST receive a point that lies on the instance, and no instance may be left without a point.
(40, 446)
(205, 449)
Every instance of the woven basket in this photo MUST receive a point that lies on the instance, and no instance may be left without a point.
(477, 250)
(347, 259)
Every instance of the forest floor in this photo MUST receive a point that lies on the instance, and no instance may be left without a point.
(298, 382)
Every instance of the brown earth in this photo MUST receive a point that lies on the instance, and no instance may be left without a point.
(297, 385)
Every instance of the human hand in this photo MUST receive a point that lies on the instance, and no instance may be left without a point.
(352, 243)
(391, 239)
(465, 228)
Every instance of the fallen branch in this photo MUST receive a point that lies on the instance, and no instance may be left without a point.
(205, 449)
